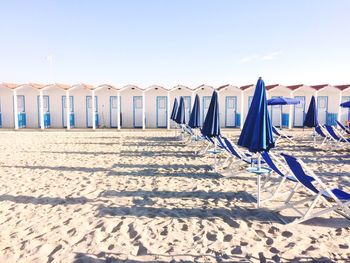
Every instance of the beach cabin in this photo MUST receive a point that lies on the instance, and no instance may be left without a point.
(281, 115)
(328, 100)
(248, 93)
(80, 107)
(107, 110)
(132, 107)
(204, 92)
(156, 107)
(230, 106)
(52, 105)
(303, 93)
(344, 113)
(25, 106)
(188, 95)
(6, 105)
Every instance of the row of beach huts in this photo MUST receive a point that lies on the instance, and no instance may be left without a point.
(46, 106)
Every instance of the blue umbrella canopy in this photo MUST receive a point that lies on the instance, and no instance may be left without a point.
(173, 112)
(180, 115)
(282, 101)
(194, 121)
(257, 130)
(211, 125)
(345, 104)
(311, 115)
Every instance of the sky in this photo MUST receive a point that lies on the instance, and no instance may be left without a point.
(164, 42)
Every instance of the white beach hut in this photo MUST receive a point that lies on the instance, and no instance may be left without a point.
(107, 106)
(280, 114)
(50, 113)
(187, 94)
(204, 92)
(6, 105)
(230, 106)
(157, 107)
(247, 97)
(132, 107)
(303, 93)
(344, 113)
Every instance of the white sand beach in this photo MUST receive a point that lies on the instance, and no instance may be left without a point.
(145, 197)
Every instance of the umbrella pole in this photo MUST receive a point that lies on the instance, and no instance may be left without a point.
(259, 181)
(215, 168)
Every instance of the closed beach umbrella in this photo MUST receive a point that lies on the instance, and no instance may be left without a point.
(256, 135)
(173, 112)
(345, 104)
(180, 115)
(311, 115)
(282, 101)
(211, 125)
(194, 121)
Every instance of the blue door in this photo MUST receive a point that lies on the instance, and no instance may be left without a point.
(137, 111)
(46, 107)
(161, 109)
(322, 108)
(299, 112)
(230, 111)
(71, 110)
(206, 103)
(89, 112)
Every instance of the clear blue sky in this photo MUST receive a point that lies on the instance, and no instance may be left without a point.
(188, 42)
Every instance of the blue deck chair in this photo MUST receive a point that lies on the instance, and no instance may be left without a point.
(344, 129)
(278, 167)
(336, 137)
(279, 134)
(335, 199)
(320, 132)
(235, 153)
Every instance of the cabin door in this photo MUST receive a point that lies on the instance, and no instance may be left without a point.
(162, 102)
(64, 111)
(46, 110)
(206, 103)
(345, 112)
(322, 108)
(137, 109)
(276, 114)
(89, 111)
(187, 102)
(299, 112)
(114, 111)
(230, 111)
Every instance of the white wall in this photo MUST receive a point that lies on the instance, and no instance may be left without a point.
(31, 105)
(333, 95)
(79, 97)
(55, 99)
(204, 92)
(6, 104)
(151, 106)
(103, 100)
(127, 106)
(229, 91)
(247, 92)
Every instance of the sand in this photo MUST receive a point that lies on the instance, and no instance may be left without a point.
(145, 197)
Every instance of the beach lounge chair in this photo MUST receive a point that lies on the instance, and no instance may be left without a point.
(279, 168)
(336, 137)
(281, 135)
(344, 129)
(320, 132)
(335, 199)
(234, 153)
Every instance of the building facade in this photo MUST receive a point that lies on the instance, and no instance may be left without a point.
(107, 106)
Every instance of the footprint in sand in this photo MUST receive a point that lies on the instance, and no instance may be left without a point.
(211, 237)
(274, 250)
(71, 232)
(117, 227)
(269, 241)
(287, 234)
(132, 232)
(184, 227)
(236, 251)
(164, 232)
(227, 238)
